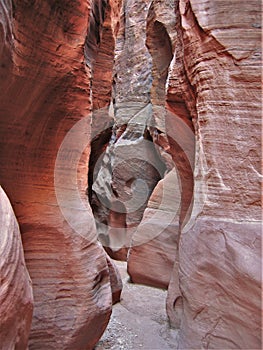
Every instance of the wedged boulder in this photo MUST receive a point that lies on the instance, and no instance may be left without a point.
(16, 294)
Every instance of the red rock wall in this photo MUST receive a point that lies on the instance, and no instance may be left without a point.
(16, 296)
(183, 81)
(219, 252)
(201, 62)
(45, 90)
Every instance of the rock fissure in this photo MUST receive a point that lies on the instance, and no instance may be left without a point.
(138, 123)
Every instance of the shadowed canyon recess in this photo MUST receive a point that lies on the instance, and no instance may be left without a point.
(130, 136)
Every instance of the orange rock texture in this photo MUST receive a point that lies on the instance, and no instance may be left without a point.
(219, 249)
(45, 90)
(155, 106)
(187, 80)
(16, 296)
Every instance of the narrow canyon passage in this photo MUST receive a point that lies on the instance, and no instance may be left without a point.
(130, 139)
(139, 321)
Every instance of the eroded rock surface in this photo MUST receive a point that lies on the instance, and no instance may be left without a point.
(154, 244)
(187, 58)
(129, 170)
(219, 303)
(16, 296)
(45, 90)
(170, 85)
(115, 281)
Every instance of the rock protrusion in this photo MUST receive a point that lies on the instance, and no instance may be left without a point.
(16, 294)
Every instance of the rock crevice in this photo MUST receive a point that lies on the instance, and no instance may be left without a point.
(151, 111)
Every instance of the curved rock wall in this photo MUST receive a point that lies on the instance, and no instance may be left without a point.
(187, 72)
(175, 165)
(45, 90)
(16, 296)
(219, 251)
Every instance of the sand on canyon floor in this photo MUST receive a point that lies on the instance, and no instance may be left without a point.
(139, 321)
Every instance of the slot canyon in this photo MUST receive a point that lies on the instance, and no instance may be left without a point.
(130, 174)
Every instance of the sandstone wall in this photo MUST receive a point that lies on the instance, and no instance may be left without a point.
(174, 181)
(219, 253)
(16, 296)
(188, 80)
(45, 90)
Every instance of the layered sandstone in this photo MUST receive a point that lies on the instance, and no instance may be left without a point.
(218, 301)
(154, 244)
(197, 63)
(118, 198)
(16, 297)
(174, 176)
(45, 90)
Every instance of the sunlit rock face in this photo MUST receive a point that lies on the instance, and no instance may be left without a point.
(218, 301)
(16, 295)
(45, 90)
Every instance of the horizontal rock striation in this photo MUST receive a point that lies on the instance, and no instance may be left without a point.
(188, 73)
(154, 244)
(45, 91)
(16, 296)
(218, 301)
(165, 97)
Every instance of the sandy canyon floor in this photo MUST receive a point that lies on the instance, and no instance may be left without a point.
(139, 321)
